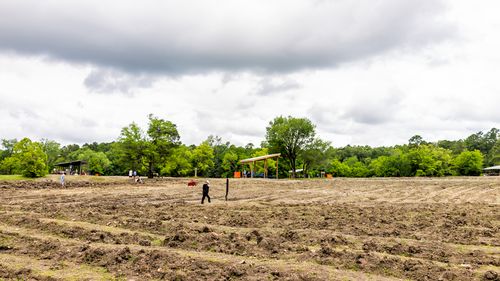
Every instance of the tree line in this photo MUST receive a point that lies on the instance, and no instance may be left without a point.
(157, 150)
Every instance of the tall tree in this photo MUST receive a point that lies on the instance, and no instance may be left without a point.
(219, 149)
(178, 163)
(66, 152)
(493, 157)
(8, 146)
(8, 164)
(230, 161)
(31, 158)
(162, 138)
(416, 140)
(483, 142)
(315, 155)
(289, 136)
(130, 148)
(52, 149)
(202, 158)
(97, 162)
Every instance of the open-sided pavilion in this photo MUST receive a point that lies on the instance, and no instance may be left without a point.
(72, 167)
(252, 161)
(492, 171)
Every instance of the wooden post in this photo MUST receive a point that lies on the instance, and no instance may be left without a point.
(265, 168)
(277, 158)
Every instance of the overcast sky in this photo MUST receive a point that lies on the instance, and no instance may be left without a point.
(372, 72)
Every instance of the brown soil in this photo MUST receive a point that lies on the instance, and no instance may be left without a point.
(341, 229)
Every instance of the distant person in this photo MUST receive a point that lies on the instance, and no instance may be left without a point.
(206, 187)
(138, 180)
(135, 174)
(130, 174)
(62, 178)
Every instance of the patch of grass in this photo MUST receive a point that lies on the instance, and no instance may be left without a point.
(14, 178)
(97, 179)
(157, 242)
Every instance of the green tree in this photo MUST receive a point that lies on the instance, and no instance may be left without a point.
(416, 140)
(178, 163)
(289, 136)
(31, 158)
(219, 149)
(53, 150)
(67, 152)
(8, 164)
(162, 138)
(314, 156)
(356, 168)
(130, 148)
(429, 160)
(339, 169)
(97, 162)
(202, 158)
(483, 142)
(396, 164)
(493, 157)
(468, 163)
(8, 146)
(230, 162)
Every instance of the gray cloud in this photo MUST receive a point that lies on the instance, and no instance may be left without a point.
(171, 37)
(268, 86)
(107, 81)
(373, 111)
(23, 113)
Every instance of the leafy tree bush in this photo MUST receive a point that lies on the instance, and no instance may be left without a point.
(202, 158)
(97, 162)
(179, 162)
(314, 156)
(357, 168)
(9, 166)
(31, 159)
(339, 169)
(52, 149)
(230, 162)
(395, 165)
(468, 163)
(429, 160)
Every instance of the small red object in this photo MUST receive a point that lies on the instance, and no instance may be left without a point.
(191, 183)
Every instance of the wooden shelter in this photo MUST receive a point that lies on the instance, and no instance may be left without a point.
(252, 161)
(72, 167)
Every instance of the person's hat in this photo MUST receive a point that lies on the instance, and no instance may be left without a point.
(207, 182)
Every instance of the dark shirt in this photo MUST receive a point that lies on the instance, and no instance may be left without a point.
(205, 188)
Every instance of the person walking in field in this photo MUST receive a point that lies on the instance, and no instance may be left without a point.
(206, 187)
(62, 178)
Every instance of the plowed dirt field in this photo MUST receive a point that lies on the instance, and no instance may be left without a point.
(340, 229)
